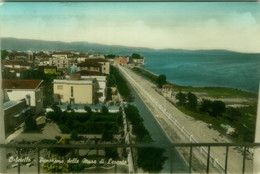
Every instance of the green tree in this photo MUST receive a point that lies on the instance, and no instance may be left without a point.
(88, 110)
(74, 135)
(151, 159)
(205, 105)
(4, 54)
(192, 101)
(110, 56)
(104, 110)
(218, 107)
(109, 94)
(136, 56)
(181, 97)
(111, 153)
(161, 80)
(111, 81)
(36, 74)
(107, 135)
(233, 114)
(30, 124)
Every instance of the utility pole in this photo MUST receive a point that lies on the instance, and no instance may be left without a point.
(2, 126)
(256, 165)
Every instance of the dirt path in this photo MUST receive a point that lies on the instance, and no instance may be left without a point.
(199, 129)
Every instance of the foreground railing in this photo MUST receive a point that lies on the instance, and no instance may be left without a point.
(28, 158)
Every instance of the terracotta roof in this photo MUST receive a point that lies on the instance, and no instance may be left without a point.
(90, 73)
(20, 84)
(167, 86)
(89, 64)
(96, 60)
(22, 69)
(12, 62)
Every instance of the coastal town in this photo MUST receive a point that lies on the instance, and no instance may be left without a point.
(73, 98)
(66, 98)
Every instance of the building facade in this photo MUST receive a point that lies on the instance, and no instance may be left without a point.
(30, 90)
(121, 61)
(75, 91)
(15, 113)
(101, 90)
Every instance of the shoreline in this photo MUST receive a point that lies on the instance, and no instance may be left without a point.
(190, 86)
(229, 91)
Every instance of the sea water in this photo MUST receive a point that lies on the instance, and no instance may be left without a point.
(206, 68)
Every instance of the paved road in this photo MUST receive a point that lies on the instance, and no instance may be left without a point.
(159, 137)
(199, 129)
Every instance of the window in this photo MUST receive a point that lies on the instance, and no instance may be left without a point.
(71, 91)
(59, 86)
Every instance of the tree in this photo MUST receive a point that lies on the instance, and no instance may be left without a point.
(88, 110)
(233, 114)
(110, 56)
(111, 153)
(109, 94)
(130, 98)
(181, 97)
(4, 54)
(107, 135)
(161, 80)
(111, 81)
(215, 108)
(104, 110)
(30, 124)
(151, 159)
(218, 107)
(192, 101)
(136, 56)
(36, 74)
(205, 105)
(68, 108)
(74, 135)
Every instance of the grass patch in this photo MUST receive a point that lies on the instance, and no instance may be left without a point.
(243, 121)
(146, 74)
(217, 92)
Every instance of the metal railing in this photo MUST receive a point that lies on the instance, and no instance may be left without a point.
(188, 146)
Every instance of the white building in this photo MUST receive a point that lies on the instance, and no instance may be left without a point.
(62, 60)
(30, 90)
(101, 80)
(75, 90)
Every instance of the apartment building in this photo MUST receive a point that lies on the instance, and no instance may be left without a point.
(30, 90)
(75, 90)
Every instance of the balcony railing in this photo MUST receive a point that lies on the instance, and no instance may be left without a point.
(17, 153)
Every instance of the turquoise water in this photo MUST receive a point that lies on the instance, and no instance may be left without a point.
(207, 68)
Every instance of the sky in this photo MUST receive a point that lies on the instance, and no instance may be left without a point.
(192, 25)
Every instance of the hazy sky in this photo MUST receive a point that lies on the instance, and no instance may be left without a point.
(198, 25)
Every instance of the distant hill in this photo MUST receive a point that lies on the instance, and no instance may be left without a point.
(36, 45)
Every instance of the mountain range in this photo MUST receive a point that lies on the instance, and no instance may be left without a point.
(8, 43)
(37, 45)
